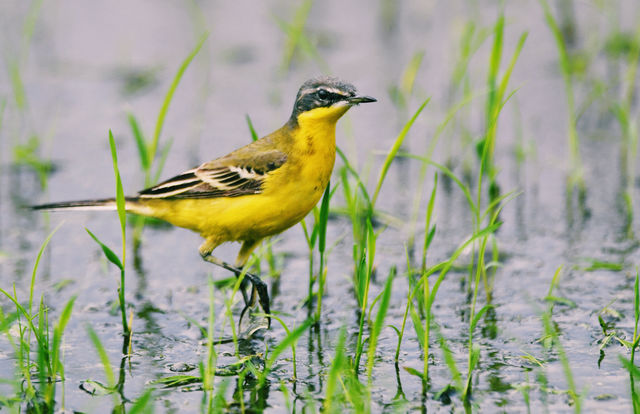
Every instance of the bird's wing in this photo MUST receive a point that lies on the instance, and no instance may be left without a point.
(240, 173)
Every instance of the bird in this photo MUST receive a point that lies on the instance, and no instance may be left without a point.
(254, 192)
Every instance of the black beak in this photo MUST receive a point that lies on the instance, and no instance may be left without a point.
(355, 100)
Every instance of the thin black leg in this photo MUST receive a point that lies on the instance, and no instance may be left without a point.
(259, 287)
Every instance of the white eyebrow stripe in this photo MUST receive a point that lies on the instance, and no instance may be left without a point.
(331, 90)
(328, 89)
(337, 91)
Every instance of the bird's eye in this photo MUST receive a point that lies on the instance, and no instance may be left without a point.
(323, 94)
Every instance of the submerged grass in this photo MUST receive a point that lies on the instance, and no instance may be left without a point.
(376, 327)
(401, 94)
(629, 126)
(630, 364)
(496, 100)
(112, 384)
(553, 342)
(38, 375)
(109, 254)
(321, 221)
(27, 143)
(576, 175)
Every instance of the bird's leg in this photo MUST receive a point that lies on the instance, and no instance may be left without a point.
(243, 285)
(259, 288)
(205, 252)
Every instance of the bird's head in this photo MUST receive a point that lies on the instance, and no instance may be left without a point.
(325, 99)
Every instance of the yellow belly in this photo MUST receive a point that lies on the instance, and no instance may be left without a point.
(288, 196)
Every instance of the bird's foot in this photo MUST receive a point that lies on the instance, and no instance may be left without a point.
(259, 288)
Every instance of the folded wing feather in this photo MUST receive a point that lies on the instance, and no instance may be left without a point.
(224, 177)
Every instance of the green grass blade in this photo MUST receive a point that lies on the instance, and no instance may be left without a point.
(37, 263)
(29, 25)
(395, 148)
(507, 75)
(287, 342)
(410, 73)
(295, 32)
(26, 314)
(371, 255)
(323, 218)
(104, 359)
(636, 305)
(337, 367)
(417, 324)
(6, 321)
(43, 366)
(449, 263)
(632, 368)
(446, 171)
(61, 326)
(254, 134)
(321, 226)
(477, 316)
(494, 63)
(19, 93)
(567, 74)
(554, 280)
(450, 361)
(565, 62)
(141, 143)
(141, 404)
(552, 332)
(120, 203)
(303, 224)
(163, 159)
(379, 322)
(58, 332)
(474, 358)
(169, 96)
(429, 231)
(109, 254)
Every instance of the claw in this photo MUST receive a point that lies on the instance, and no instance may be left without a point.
(243, 288)
(247, 305)
(263, 295)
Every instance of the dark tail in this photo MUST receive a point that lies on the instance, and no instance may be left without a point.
(103, 204)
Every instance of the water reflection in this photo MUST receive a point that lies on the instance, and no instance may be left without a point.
(576, 210)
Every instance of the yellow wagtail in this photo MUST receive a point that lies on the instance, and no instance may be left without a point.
(255, 191)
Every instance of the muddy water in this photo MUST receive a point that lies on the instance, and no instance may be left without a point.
(87, 66)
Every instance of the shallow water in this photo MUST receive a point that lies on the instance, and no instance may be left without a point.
(76, 70)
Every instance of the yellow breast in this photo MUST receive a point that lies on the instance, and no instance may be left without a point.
(297, 187)
(288, 193)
